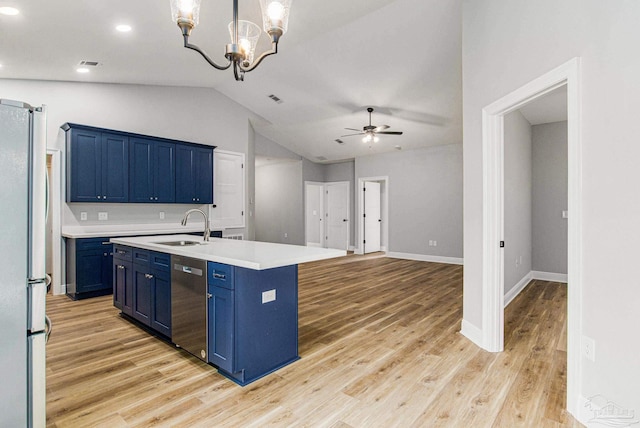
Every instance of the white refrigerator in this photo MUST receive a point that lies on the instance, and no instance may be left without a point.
(22, 265)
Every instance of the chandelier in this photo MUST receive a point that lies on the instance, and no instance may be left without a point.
(244, 34)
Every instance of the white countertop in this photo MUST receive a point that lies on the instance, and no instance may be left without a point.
(112, 230)
(247, 254)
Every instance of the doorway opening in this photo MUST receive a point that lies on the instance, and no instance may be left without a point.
(53, 238)
(327, 214)
(373, 215)
(567, 75)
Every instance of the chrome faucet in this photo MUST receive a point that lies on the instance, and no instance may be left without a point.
(207, 231)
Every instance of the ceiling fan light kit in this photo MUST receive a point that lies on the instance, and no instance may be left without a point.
(240, 52)
(371, 132)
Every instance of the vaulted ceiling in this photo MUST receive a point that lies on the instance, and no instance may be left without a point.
(402, 57)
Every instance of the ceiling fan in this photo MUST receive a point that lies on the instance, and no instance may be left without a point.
(371, 132)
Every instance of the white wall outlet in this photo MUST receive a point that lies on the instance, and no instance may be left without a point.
(161, 215)
(268, 296)
(435, 243)
(103, 215)
(286, 235)
(589, 348)
(430, 243)
(565, 214)
(83, 216)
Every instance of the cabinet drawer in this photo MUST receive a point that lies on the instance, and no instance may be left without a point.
(122, 252)
(93, 244)
(160, 261)
(220, 275)
(141, 256)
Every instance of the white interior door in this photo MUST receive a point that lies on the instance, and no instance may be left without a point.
(337, 216)
(228, 170)
(314, 209)
(372, 217)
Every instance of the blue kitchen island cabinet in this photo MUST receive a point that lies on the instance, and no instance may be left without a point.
(252, 320)
(99, 165)
(194, 174)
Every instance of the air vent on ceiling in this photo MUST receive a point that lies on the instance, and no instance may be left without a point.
(90, 64)
(276, 99)
(321, 158)
(339, 141)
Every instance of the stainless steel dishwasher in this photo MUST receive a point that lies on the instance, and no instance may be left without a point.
(189, 305)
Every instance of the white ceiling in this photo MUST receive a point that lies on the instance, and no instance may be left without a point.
(402, 57)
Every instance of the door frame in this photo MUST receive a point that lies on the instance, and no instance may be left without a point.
(55, 197)
(568, 74)
(323, 232)
(384, 201)
(326, 209)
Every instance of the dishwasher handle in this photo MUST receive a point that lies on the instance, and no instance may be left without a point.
(187, 269)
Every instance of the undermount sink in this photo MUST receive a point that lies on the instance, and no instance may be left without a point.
(181, 243)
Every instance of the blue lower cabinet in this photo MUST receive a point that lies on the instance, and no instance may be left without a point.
(141, 293)
(253, 320)
(89, 271)
(147, 280)
(161, 293)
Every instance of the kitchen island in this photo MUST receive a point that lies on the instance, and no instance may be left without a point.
(231, 303)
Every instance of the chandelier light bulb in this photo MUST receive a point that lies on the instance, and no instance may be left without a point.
(275, 10)
(185, 10)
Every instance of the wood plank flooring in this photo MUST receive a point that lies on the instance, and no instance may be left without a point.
(379, 344)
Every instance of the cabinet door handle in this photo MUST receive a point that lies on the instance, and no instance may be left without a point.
(148, 276)
(219, 276)
(120, 267)
(104, 254)
(209, 295)
(151, 198)
(99, 197)
(106, 243)
(156, 198)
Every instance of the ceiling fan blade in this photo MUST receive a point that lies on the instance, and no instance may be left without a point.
(390, 132)
(350, 135)
(353, 129)
(381, 128)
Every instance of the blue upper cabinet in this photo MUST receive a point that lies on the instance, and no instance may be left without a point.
(152, 171)
(99, 166)
(194, 174)
(116, 166)
(84, 181)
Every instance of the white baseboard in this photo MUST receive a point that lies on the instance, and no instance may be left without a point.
(549, 276)
(508, 297)
(59, 289)
(471, 332)
(425, 258)
(542, 276)
(383, 249)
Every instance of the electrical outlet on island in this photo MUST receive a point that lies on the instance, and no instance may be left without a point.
(103, 216)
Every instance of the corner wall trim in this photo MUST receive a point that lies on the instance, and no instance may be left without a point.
(426, 258)
(471, 332)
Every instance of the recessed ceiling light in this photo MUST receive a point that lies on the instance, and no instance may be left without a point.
(11, 11)
(123, 28)
(82, 70)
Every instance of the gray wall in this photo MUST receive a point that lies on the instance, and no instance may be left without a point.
(425, 198)
(517, 199)
(508, 43)
(550, 172)
(279, 204)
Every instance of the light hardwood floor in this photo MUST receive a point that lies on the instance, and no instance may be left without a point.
(380, 347)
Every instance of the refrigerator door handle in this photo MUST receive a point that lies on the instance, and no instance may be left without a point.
(37, 196)
(37, 295)
(49, 328)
